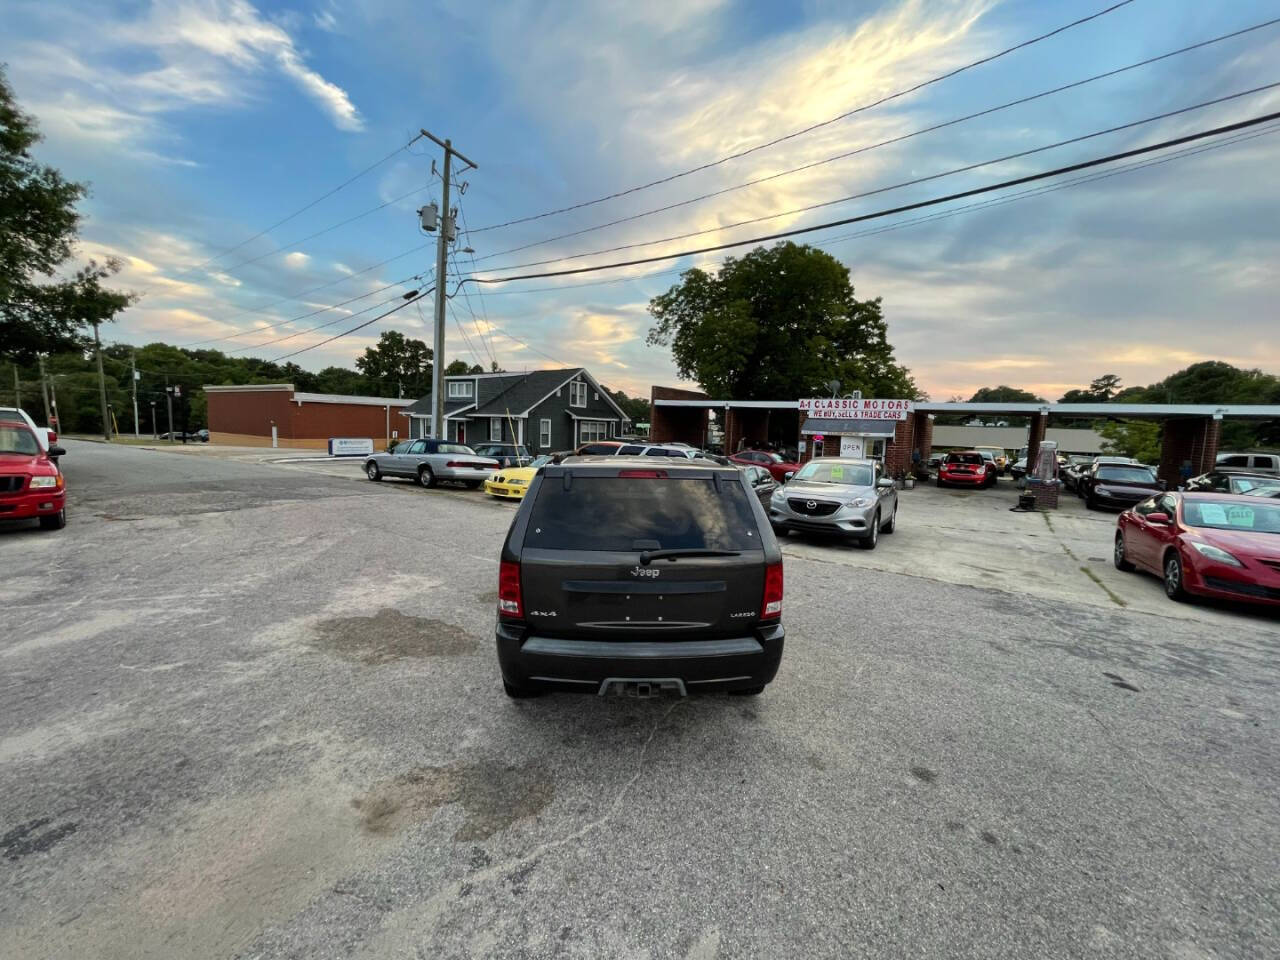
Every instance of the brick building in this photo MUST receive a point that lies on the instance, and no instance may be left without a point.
(274, 414)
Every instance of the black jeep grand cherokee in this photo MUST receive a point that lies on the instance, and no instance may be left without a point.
(639, 575)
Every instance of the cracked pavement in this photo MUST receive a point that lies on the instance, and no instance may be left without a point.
(252, 710)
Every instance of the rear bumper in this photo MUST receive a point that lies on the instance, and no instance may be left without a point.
(732, 663)
(41, 503)
(460, 474)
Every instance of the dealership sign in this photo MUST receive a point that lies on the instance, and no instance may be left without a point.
(847, 408)
(350, 447)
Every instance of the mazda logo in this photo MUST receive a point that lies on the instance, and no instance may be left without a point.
(811, 504)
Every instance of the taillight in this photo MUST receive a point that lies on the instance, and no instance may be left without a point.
(643, 474)
(771, 606)
(509, 603)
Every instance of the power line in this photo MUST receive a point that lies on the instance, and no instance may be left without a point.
(301, 210)
(319, 326)
(346, 333)
(816, 126)
(959, 195)
(303, 316)
(284, 247)
(905, 183)
(303, 293)
(884, 143)
(796, 231)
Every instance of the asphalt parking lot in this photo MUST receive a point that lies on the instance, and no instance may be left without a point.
(252, 710)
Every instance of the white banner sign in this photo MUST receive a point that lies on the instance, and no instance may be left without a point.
(350, 446)
(859, 409)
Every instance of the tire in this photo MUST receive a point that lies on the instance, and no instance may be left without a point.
(372, 472)
(55, 521)
(940, 483)
(1090, 503)
(425, 477)
(748, 691)
(892, 525)
(1173, 588)
(520, 693)
(870, 540)
(473, 484)
(1118, 555)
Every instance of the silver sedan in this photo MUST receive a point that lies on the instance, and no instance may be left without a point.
(431, 461)
(837, 496)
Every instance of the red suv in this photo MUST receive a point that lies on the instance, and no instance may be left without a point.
(966, 468)
(779, 468)
(31, 484)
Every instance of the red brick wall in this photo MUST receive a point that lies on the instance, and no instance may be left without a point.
(677, 424)
(250, 414)
(1034, 435)
(1195, 439)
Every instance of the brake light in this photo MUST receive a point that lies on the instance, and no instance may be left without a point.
(771, 606)
(509, 602)
(643, 474)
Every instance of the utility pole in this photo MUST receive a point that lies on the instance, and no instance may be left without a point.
(155, 428)
(102, 384)
(447, 233)
(168, 396)
(44, 392)
(17, 389)
(133, 366)
(55, 420)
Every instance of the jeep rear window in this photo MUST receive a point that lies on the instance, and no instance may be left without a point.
(614, 513)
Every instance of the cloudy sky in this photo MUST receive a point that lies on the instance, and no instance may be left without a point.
(201, 123)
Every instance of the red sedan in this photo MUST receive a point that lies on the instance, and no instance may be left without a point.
(778, 468)
(31, 485)
(966, 468)
(1209, 544)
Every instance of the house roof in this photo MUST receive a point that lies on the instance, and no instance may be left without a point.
(512, 394)
(521, 392)
(422, 408)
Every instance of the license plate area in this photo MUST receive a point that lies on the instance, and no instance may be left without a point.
(645, 688)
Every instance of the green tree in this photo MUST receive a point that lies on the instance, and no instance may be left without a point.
(398, 364)
(40, 313)
(637, 408)
(460, 368)
(1004, 394)
(777, 324)
(1139, 439)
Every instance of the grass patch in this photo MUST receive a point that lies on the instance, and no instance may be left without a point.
(1047, 521)
(1105, 589)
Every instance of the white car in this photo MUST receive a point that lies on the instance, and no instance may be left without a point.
(44, 435)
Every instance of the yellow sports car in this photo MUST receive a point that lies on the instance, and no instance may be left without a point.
(510, 483)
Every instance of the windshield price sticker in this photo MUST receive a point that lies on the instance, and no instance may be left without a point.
(1240, 516)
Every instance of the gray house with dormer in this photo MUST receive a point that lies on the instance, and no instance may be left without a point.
(546, 410)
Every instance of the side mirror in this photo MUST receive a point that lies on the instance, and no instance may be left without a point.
(1161, 519)
(884, 483)
(786, 477)
(56, 451)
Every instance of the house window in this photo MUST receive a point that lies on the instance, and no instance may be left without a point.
(577, 394)
(544, 434)
(495, 429)
(589, 431)
(460, 389)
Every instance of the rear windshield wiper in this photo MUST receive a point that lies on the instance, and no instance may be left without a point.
(650, 555)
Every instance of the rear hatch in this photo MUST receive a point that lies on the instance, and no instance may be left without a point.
(642, 554)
